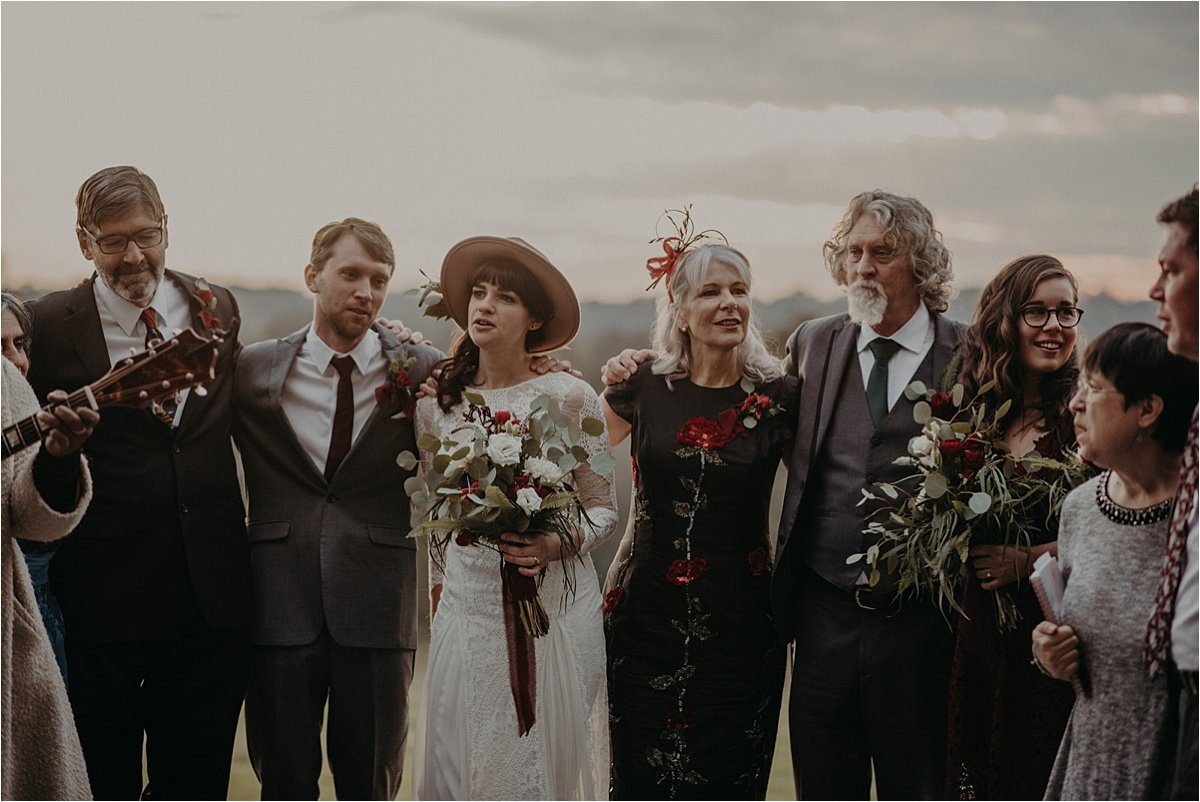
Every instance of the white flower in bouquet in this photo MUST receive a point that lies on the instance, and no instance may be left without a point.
(504, 449)
(544, 471)
(528, 500)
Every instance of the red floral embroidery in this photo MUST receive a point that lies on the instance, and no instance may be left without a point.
(758, 561)
(470, 488)
(680, 721)
(462, 539)
(613, 598)
(704, 433)
(502, 417)
(684, 572)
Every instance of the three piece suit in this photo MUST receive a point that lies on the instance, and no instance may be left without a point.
(870, 677)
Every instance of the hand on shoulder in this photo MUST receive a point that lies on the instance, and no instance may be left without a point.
(620, 367)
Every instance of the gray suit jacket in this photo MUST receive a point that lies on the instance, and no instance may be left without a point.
(334, 554)
(820, 352)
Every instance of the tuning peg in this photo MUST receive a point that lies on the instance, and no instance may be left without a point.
(201, 390)
(166, 385)
(143, 395)
(127, 361)
(191, 377)
(177, 332)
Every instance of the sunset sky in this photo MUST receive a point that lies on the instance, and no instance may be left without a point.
(1056, 127)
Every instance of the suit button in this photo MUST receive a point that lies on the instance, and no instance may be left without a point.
(875, 441)
(331, 498)
(179, 450)
(871, 478)
(183, 508)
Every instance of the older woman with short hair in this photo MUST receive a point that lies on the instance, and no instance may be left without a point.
(1132, 411)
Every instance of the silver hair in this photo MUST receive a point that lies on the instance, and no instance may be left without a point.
(673, 344)
(909, 225)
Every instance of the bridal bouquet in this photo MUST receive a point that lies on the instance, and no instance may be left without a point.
(964, 488)
(497, 473)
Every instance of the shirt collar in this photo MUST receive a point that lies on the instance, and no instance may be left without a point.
(323, 355)
(911, 336)
(125, 313)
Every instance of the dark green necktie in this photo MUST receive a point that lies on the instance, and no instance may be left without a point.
(877, 383)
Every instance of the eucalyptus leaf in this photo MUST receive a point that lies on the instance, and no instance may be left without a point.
(936, 485)
(413, 485)
(915, 390)
(593, 427)
(441, 462)
(474, 398)
(428, 442)
(853, 558)
(980, 502)
(1003, 409)
(956, 395)
(406, 460)
(603, 463)
(922, 412)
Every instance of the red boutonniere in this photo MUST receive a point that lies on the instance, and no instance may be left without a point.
(397, 389)
(205, 303)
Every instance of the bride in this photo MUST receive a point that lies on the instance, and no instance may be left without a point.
(511, 303)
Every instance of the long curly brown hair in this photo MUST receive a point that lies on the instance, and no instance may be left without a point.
(991, 346)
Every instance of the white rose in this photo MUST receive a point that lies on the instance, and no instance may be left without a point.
(920, 446)
(504, 449)
(543, 470)
(529, 500)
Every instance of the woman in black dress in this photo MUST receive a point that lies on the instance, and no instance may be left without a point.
(1005, 717)
(695, 668)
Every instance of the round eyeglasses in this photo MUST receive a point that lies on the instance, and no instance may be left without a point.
(117, 243)
(1038, 316)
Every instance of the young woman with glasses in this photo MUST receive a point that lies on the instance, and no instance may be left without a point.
(1006, 718)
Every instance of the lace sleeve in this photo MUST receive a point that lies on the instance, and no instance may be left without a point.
(425, 422)
(597, 491)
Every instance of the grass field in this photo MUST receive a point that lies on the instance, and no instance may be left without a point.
(244, 785)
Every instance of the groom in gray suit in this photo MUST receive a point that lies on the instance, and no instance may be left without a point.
(320, 418)
(870, 677)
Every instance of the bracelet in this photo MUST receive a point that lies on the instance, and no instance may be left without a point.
(1038, 664)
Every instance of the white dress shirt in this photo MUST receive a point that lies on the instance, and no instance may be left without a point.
(915, 339)
(310, 391)
(125, 331)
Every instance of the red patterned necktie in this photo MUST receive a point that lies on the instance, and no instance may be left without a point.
(163, 410)
(1157, 647)
(343, 417)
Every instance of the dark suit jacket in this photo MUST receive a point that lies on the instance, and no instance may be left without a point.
(166, 527)
(820, 352)
(333, 554)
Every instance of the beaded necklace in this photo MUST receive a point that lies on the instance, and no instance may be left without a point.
(1127, 516)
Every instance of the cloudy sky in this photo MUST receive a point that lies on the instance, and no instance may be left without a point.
(1057, 127)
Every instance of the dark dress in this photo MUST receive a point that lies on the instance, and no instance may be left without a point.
(1006, 718)
(695, 667)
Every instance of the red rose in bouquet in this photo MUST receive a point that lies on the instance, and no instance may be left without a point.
(942, 405)
(951, 448)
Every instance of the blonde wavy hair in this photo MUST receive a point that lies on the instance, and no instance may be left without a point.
(673, 345)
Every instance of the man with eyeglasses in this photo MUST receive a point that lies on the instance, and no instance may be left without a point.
(154, 582)
(1172, 635)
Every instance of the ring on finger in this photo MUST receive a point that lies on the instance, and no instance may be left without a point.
(536, 561)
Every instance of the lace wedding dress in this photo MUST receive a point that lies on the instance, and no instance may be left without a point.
(467, 745)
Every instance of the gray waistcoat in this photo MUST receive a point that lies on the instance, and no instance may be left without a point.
(855, 456)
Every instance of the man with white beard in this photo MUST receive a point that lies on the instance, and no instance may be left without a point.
(870, 677)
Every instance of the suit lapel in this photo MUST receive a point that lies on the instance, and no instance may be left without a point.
(285, 354)
(82, 326)
(392, 349)
(841, 349)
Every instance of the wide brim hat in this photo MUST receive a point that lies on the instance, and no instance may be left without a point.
(459, 267)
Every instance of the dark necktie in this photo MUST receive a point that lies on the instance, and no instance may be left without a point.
(165, 409)
(150, 318)
(343, 417)
(877, 383)
(1157, 646)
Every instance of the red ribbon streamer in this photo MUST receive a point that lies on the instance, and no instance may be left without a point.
(522, 666)
(661, 266)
